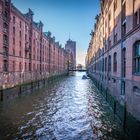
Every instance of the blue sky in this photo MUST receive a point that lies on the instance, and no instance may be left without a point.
(64, 17)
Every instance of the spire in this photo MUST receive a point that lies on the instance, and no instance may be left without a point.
(69, 36)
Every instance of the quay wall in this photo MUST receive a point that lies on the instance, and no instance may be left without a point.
(11, 93)
(129, 122)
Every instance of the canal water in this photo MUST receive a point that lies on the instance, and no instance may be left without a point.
(69, 109)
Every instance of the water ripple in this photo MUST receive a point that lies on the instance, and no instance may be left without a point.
(70, 109)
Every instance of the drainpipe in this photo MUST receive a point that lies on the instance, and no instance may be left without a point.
(122, 46)
(121, 51)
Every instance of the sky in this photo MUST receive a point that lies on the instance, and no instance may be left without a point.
(65, 18)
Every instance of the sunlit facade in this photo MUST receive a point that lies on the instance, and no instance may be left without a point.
(26, 51)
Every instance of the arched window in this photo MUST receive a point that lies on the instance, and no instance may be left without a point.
(5, 40)
(115, 62)
(124, 62)
(137, 57)
(106, 64)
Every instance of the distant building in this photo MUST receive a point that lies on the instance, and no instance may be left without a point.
(70, 47)
(79, 67)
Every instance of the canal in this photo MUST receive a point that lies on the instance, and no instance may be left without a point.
(68, 109)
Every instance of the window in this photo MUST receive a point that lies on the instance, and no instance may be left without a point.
(5, 65)
(109, 16)
(6, 3)
(20, 24)
(123, 18)
(136, 89)
(13, 51)
(20, 66)
(20, 34)
(109, 63)
(123, 88)
(115, 21)
(109, 43)
(13, 66)
(13, 41)
(124, 29)
(115, 5)
(114, 80)
(20, 44)
(6, 15)
(14, 31)
(115, 62)
(26, 54)
(139, 16)
(5, 39)
(115, 38)
(5, 27)
(20, 53)
(105, 64)
(136, 19)
(124, 62)
(14, 19)
(137, 57)
(26, 28)
(5, 52)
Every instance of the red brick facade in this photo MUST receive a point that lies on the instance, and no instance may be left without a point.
(113, 56)
(26, 52)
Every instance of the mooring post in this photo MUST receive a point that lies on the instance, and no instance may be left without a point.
(1, 94)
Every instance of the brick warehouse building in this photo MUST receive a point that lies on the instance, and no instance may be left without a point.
(26, 52)
(113, 58)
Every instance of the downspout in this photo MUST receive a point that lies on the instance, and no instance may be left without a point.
(124, 115)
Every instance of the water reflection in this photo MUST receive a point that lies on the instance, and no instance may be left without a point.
(70, 109)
